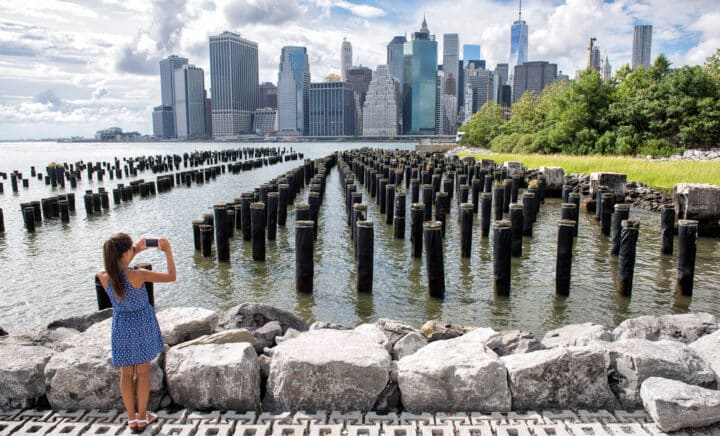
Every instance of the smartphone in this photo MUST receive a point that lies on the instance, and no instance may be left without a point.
(151, 242)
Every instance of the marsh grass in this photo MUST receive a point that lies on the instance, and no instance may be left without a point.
(659, 175)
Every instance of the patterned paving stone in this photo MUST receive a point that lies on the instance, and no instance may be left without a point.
(442, 418)
(512, 430)
(203, 417)
(9, 415)
(391, 418)
(67, 416)
(639, 416)
(34, 415)
(101, 416)
(412, 419)
(478, 418)
(325, 429)
(530, 417)
(167, 417)
(269, 418)
(7, 427)
(559, 416)
(363, 430)
(68, 428)
(602, 416)
(252, 430)
(346, 418)
(34, 428)
(437, 430)
(238, 418)
(104, 428)
(590, 428)
(173, 429)
(482, 428)
(205, 429)
(409, 429)
(550, 429)
(626, 428)
(320, 417)
(288, 430)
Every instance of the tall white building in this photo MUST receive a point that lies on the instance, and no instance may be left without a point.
(451, 59)
(606, 70)
(345, 58)
(480, 88)
(167, 94)
(234, 84)
(293, 93)
(642, 46)
(381, 112)
(190, 101)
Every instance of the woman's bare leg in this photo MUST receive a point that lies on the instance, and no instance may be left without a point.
(127, 389)
(143, 388)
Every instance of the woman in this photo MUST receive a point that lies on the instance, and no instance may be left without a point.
(136, 338)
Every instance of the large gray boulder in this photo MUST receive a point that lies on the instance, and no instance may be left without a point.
(408, 345)
(508, 341)
(214, 376)
(613, 181)
(685, 328)
(254, 315)
(454, 375)
(81, 322)
(83, 377)
(675, 405)
(374, 333)
(700, 202)
(327, 369)
(559, 378)
(181, 324)
(553, 180)
(394, 330)
(223, 337)
(437, 331)
(265, 335)
(632, 361)
(708, 348)
(56, 339)
(22, 375)
(577, 335)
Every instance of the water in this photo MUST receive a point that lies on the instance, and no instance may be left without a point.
(49, 275)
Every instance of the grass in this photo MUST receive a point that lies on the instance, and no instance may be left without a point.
(659, 175)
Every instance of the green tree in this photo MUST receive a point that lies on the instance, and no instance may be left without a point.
(484, 125)
(712, 66)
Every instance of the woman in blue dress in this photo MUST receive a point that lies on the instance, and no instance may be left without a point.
(136, 338)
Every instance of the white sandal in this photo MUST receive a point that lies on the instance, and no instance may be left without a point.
(149, 419)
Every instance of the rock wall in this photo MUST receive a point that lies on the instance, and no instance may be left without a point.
(210, 362)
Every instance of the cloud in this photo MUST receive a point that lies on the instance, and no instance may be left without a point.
(10, 48)
(99, 92)
(136, 60)
(168, 23)
(49, 99)
(273, 12)
(363, 11)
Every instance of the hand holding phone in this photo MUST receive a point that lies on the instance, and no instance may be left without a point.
(151, 243)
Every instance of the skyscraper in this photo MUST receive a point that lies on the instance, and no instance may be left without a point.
(419, 82)
(293, 91)
(471, 52)
(451, 56)
(345, 58)
(479, 89)
(606, 71)
(642, 46)
(359, 78)
(190, 101)
(332, 109)
(163, 121)
(395, 57)
(167, 92)
(267, 95)
(234, 84)
(533, 76)
(518, 42)
(381, 112)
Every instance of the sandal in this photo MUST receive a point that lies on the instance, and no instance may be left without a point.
(133, 424)
(143, 423)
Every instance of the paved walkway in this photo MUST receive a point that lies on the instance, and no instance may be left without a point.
(186, 423)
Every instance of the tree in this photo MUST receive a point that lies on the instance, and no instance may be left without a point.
(484, 125)
(712, 66)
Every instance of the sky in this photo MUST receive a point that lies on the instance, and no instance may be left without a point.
(76, 66)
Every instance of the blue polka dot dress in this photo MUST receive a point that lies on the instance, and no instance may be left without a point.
(136, 336)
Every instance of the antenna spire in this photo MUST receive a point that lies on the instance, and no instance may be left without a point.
(520, 12)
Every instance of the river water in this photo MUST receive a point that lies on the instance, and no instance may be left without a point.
(49, 274)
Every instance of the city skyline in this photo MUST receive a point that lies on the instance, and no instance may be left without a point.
(79, 71)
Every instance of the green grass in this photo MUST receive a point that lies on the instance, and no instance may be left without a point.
(660, 175)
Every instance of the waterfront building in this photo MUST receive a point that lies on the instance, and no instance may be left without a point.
(419, 83)
(594, 59)
(642, 46)
(267, 95)
(163, 122)
(606, 70)
(518, 42)
(501, 74)
(265, 121)
(332, 109)
(479, 89)
(461, 91)
(395, 57)
(293, 91)
(167, 88)
(470, 52)
(382, 111)
(234, 83)
(359, 77)
(533, 76)
(439, 101)
(451, 56)
(345, 58)
(190, 102)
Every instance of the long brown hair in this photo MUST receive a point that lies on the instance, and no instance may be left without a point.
(113, 250)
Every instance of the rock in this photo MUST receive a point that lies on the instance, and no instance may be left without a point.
(319, 325)
(22, 375)
(289, 334)
(327, 369)
(615, 181)
(214, 376)
(700, 202)
(408, 345)
(435, 331)
(3, 332)
(181, 324)
(394, 330)
(56, 339)
(559, 378)
(514, 169)
(685, 328)
(632, 361)
(223, 337)
(374, 333)
(81, 323)
(389, 400)
(97, 335)
(264, 362)
(254, 315)
(83, 377)
(577, 335)
(674, 405)
(265, 335)
(454, 375)
(513, 342)
(553, 180)
(708, 348)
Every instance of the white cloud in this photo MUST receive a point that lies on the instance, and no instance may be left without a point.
(364, 11)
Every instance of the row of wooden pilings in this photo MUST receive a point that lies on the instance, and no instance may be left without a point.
(256, 216)
(60, 174)
(97, 202)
